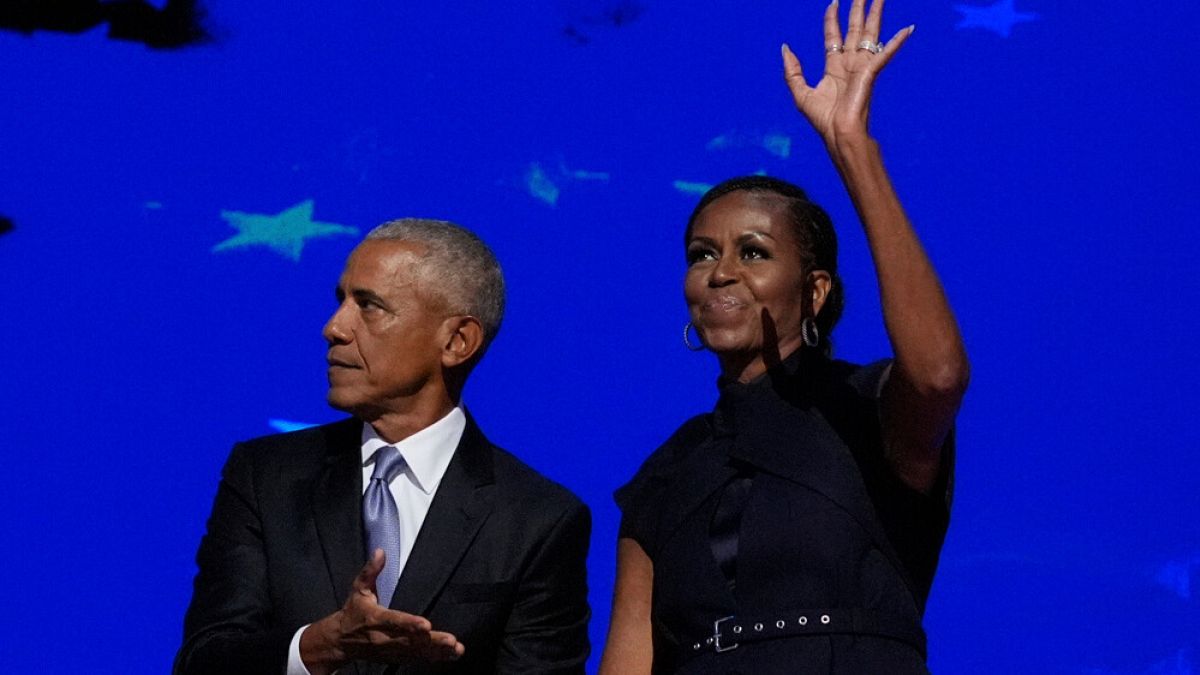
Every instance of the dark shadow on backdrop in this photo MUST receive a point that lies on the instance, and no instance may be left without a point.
(584, 15)
(178, 24)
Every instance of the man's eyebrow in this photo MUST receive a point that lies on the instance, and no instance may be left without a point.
(365, 294)
(360, 294)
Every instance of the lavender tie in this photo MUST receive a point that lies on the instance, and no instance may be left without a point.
(382, 521)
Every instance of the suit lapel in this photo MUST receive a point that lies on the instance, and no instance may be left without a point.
(336, 506)
(464, 499)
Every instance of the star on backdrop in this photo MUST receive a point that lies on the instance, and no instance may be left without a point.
(998, 17)
(691, 187)
(285, 233)
(285, 426)
(540, 182)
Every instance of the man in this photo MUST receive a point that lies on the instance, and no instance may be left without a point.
(474, 562)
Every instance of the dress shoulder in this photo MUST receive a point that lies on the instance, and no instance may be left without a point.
(862, 382)
(914, 522)
(638, 497)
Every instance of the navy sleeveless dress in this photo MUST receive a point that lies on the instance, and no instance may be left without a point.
(781, 540)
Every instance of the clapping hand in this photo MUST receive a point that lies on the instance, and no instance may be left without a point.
(364, 630)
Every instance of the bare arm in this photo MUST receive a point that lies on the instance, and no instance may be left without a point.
(630, 649)
(930, 372)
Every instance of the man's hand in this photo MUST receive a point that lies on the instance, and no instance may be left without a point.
(364, 630)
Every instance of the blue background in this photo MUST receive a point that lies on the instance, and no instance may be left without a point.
(1047, 163)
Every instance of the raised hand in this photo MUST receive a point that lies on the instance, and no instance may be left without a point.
(838, 105)
(929, 374)
(367, 631)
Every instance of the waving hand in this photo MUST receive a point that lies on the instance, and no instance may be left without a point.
(839, 103)
(930, 371)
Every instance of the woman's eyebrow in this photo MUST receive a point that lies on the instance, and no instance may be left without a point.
(742, 239)
(756, 234)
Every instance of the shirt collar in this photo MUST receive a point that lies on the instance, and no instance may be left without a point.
(794, 379)
(787, 368)
(427, 452)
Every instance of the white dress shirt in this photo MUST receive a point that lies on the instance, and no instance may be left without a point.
(426, 455)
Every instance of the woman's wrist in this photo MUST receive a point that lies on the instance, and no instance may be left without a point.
(850, 144)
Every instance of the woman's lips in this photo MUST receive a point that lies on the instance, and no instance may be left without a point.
(724, 303)
(723, 309)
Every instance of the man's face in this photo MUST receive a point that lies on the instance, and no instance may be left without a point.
(385, 338)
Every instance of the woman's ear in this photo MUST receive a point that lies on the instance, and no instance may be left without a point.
(816, 290)
(464, 339)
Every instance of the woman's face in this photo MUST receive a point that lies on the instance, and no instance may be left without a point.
(745, 285)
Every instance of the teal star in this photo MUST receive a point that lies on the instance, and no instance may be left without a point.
(285, 232)
(285, 426)
(540, 185)
(998, 17)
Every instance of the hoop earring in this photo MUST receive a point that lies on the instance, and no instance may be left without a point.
(687, 327)
(809, 332)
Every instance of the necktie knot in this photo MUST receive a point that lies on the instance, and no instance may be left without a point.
(388, 464)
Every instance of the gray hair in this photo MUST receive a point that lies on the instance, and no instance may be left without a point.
(464, 271)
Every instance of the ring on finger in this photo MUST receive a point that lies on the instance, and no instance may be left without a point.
(871, 46)
(834, 48)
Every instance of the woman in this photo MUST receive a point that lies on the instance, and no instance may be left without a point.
(797, 527)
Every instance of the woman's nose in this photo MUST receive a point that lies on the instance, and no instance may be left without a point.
(724, 272)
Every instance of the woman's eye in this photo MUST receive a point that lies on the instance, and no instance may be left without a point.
(755, 253)
(696, 255)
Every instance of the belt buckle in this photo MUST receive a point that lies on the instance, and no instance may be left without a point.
(717, 646)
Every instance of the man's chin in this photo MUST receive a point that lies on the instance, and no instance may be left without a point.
(340, 401)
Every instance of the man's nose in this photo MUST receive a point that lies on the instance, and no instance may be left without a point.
(335, 331)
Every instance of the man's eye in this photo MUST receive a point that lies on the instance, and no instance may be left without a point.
(696, 255)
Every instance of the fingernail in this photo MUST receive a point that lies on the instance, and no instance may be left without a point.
(912, 28)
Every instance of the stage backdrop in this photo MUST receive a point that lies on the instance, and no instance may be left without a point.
(178, 199)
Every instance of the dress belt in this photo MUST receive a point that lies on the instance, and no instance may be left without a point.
(735, 630)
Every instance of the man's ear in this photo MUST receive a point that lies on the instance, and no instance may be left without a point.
(464, 339)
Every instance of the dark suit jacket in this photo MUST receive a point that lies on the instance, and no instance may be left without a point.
(500, 561)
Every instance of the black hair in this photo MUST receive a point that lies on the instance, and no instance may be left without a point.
(813, 230)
